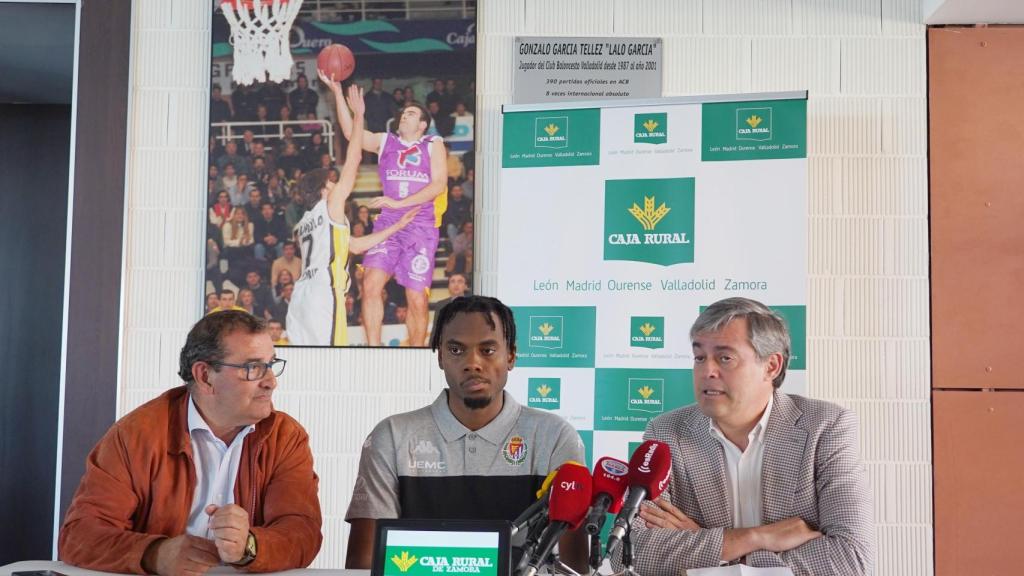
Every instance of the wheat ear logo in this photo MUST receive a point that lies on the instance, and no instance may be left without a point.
(544, 393)
(646, 395)
(647, 331)
(546, 331)
(754, 124)
(404, 562)
(649, 216)
(650, 128)
(551, 132)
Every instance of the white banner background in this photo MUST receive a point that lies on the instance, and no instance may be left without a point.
(750, 224)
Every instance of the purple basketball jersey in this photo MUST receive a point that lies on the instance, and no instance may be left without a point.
(404, 171)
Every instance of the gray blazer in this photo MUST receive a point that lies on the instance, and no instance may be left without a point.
(811, 469)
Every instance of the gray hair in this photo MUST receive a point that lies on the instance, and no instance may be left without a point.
(766, 329)
(205, 341)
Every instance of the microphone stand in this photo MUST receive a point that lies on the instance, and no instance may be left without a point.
(627, 557)
(559, 567)
(596, 558)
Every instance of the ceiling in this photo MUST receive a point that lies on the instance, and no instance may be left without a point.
(37, 51)
(37, 41)
(973, 12)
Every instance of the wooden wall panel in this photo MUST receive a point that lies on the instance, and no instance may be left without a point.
(977, 239)
(94, 299)
(979, 464)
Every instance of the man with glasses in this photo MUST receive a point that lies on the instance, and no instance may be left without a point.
(206, 474)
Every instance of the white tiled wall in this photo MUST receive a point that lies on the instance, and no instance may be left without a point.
(864, 64)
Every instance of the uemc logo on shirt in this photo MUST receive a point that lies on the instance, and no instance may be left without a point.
(423, 455)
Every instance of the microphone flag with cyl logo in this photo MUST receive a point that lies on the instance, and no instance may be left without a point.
(539, 509)
(568, 502)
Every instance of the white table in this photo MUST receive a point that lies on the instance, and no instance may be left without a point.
(73, 571)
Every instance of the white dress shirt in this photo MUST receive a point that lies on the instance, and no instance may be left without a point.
(743, 472)
(216, 469)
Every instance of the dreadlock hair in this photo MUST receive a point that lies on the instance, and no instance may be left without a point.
(311, 186)
(482, 304)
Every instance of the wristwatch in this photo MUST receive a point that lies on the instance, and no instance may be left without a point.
(249, 554)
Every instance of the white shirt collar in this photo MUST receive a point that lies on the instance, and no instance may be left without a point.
(757, 433)
(197, 422)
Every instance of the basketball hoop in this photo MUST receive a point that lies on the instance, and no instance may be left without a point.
(259, 34)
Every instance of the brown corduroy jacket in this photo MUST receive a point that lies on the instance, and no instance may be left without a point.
(140, 478)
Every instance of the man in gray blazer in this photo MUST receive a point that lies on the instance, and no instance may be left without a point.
(758, 476)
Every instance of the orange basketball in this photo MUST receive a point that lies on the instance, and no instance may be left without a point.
(338, 60)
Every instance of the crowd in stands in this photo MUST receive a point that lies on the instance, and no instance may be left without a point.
(252, 261)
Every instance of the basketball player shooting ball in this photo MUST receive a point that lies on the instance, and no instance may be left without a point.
(413, 172)
(316, 315)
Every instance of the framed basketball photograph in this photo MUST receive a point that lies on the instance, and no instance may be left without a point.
(341, 172)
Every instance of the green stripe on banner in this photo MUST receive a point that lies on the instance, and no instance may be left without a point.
(552, 138)
(765, 130)
(221, 49)
(409, 46)
(356, 28)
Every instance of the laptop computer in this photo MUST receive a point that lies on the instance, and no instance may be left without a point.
(442, 548)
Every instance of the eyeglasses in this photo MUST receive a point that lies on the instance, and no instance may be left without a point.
(257, 370)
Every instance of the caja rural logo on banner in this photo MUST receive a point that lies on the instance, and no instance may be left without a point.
(647, 395)
(649, 220)
(647, 331)
(754, 124)
(650, 128)
(546, 332)
(551, 132)
(544, 393)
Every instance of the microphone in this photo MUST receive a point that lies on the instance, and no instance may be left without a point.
(650, 469)
(534, 519)
(567, 507)
(539, 509)
(609, 488)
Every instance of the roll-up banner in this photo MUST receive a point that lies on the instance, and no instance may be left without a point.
(620, 221)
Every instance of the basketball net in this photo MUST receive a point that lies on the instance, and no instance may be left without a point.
(259, 35)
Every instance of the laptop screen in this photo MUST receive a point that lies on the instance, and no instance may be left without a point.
(441, 547)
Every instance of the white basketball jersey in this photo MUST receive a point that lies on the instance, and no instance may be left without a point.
(316, 315)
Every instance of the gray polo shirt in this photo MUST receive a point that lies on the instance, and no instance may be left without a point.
(426, 464)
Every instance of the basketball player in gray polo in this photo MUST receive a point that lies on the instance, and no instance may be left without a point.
(475, 452)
